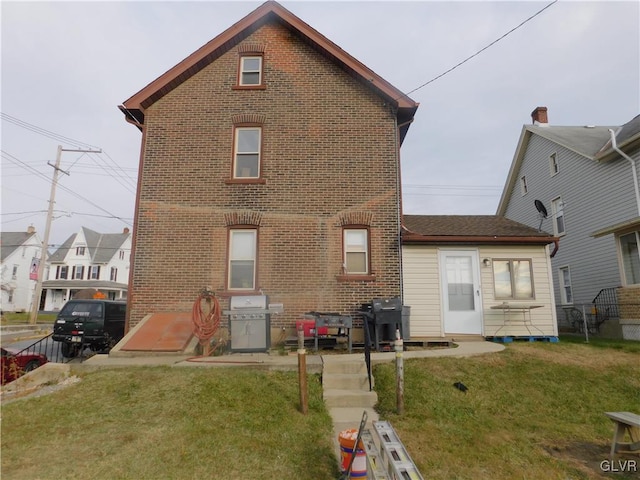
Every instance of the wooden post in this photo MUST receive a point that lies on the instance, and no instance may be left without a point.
(302, 373)
(399, 347)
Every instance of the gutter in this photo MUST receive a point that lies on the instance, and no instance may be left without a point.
(634, 171)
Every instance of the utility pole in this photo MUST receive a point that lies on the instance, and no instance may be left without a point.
(37, 293)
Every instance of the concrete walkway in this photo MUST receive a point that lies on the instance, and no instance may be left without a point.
(344, 377)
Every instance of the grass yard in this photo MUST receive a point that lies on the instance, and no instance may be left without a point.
(170, 423)
(10, 318)
(534, 411)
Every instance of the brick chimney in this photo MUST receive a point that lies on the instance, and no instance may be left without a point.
(126, 230)
(539, 116)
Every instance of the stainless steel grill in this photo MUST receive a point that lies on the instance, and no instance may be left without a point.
(249, 323)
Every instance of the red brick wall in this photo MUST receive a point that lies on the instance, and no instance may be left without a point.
(329, 148)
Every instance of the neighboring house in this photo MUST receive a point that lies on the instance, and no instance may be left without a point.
(477, 275)
(20, 257)
(88, 260)
(269, 165)
(589, 190)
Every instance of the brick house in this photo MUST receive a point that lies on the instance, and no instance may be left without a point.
(269, 164)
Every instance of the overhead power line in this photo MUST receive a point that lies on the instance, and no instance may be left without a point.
(43, 132)
(482, 49)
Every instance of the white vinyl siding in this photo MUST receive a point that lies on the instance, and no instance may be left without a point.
(422, 292)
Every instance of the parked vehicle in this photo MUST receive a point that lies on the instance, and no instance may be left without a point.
(16, 363)
(97, 324)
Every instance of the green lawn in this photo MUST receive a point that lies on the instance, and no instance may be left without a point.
(533, 411)
(23, 318)
(170, 423)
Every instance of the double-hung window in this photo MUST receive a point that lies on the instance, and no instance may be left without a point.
(356, 251)
(512, 279)
(242, 259)
(250, 71)
(78, 272)
(94, 272)
(566, 292)
(557, 209)
(246, 158)
(80, 251)
(114, 274)
(630, 253)
(62, 272)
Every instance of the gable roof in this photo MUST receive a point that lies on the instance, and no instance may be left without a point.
(590, 142)
(469, 229)
(271, 11)
(11, 241)
(102, 246)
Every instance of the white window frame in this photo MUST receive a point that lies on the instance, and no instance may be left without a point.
(557, 210)
(237, 153)
(114, 274)
(14, 272)
(238, 257)
(80, 251)
(62, 272)
(513, 280)
(78, 272)
(554, 167)
(565, 285)
(627, 266)
(359, 249)
(523, 185)
(245, 70)
(94, 272)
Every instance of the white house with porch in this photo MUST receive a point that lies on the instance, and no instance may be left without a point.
(88, 260)
(20, 256)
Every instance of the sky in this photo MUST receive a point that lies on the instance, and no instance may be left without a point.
(66, 66)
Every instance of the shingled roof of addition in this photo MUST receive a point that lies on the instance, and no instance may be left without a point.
(469, 229)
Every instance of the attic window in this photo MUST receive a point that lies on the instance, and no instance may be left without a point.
(523, 185)
(553, 164)
(250, 71)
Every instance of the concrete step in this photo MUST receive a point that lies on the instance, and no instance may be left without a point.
(350, 398)
(345, 381)
(355, 365)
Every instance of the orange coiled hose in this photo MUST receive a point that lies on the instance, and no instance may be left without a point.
(205, 325)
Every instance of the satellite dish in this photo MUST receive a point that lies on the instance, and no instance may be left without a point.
(542, 211)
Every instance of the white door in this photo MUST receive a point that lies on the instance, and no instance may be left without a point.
(461, 301)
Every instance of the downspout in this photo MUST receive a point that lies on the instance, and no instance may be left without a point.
(633, 167)
(399, 193)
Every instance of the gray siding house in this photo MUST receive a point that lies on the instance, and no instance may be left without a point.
(590, 194)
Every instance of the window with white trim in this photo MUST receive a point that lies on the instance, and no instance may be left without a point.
(114, 274)
(566, 292)
(557, 210)
(512, 279)
(14, 273)
(553, 164)
(80, 251)
(246, 152)
(78, 272)
(630, 254)
(242, 259)
(250, 71)
(62, 271)
(94, 272)
(356, 251)
(523, 185)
